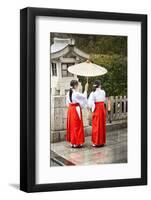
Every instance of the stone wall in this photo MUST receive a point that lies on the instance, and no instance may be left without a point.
(59, 116)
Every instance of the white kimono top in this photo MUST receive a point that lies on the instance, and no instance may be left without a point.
(97, 96)
(78, 97)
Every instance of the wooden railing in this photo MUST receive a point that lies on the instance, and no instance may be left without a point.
(119, 108)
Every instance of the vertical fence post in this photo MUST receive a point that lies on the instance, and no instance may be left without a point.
(120, 109)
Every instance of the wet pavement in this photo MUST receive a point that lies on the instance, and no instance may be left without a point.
(115, 151)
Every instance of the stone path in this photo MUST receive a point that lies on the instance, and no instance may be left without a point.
(115, 151)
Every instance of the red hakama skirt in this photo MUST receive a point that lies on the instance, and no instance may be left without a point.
(99, 124)
(75, 129)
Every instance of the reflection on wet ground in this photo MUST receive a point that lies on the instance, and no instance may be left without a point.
(115, 151)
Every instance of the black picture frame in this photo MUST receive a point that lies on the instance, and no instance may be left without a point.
(28, 99)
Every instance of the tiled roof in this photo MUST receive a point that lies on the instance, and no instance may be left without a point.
(61, 43)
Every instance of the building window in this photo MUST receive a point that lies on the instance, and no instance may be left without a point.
(57, 92)
(64, 69)
(54, 69)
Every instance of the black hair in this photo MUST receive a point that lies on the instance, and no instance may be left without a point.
(73, 83)
(96, 84)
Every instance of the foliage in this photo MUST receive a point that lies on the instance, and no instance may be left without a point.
(102, 44)
(115, 81)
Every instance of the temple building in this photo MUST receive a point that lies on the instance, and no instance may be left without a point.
(63, 54)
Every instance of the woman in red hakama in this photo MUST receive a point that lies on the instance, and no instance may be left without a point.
(96, 102)
(75, 102)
